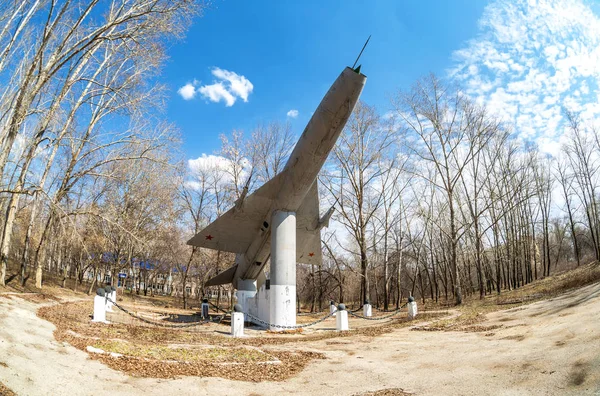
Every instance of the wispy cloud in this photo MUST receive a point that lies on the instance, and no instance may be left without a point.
(227, 87)
(292, 113)
(530, 61)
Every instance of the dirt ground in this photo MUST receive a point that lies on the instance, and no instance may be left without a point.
(546, 348)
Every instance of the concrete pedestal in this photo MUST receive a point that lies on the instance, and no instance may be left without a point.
(205, 311)
(99, 309)
(237, 324)
(341, 321)
(283, 269)
(412, 309)
(367, 310)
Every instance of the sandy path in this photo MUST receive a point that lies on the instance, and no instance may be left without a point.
(547, 348)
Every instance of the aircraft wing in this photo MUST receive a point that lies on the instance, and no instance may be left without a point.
(308, 238)
(235, 230)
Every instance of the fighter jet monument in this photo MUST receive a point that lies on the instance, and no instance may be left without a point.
(281, 219)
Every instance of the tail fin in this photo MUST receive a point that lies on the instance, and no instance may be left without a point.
(223, 278)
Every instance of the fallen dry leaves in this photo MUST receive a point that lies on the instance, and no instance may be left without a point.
(386, 392)
(166, 353)
(4, 391)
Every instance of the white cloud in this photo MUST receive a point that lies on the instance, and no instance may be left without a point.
(217, 92)
(292, 113)
(238, 85)
(187, 92)
(228, 87)
(530, 61)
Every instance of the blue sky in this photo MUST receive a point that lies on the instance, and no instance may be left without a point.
(262, 59)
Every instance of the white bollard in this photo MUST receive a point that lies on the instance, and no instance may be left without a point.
(412, 309)
(99, 309)
(332, 308)
(205, 308)
(341, 319)
(367, 310)
(237, 324)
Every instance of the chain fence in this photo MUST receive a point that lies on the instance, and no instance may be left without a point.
(300, 326)
(394, 313)
(217, 308)
(151, 322)
(254, 318)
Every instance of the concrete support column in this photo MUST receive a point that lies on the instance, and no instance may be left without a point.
(283, 269)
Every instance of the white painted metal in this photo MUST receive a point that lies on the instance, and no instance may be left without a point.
(99, 309)
(367, 310)
(341, 321)
(237, 324)
(412, 309)
(245, 229)
(283, 269)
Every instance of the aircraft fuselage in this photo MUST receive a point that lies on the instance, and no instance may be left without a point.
(304, 164)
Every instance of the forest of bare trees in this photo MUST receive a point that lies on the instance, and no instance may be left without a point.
(435, 197)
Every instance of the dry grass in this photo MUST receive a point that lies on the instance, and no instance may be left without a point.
(166, 353)
(473, 311)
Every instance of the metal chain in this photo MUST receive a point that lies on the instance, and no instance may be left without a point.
(225, 313)
(217, 308)
(254, 318)
(380, 317)
(173, 326)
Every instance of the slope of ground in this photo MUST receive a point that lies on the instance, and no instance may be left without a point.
(547, 347)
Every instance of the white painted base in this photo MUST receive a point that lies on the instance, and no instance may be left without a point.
(245, 299)
(332, 309)
(412, 309)
(205, 308)
(260, 306)
(237, 324)
(283, 306)
(367, 310)
(341, 321)
(99, 309)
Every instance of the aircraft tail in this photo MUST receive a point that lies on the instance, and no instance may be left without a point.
(223, 278)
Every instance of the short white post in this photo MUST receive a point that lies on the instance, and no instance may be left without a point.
(341, 319)
(412, 309)
(367, 310)
(237, 322)
(205, 309)
(332, 308)
(99, 306)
